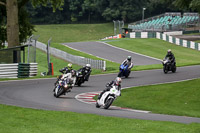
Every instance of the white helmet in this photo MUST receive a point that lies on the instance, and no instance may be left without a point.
(118, 80)
(88, 65)
(169, 50)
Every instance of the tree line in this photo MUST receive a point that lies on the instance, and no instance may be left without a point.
(18, 16)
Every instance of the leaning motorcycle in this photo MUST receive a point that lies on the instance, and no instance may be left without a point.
(63, 86)
(168, 66)
(124, 71)
(108, 97)
(80, 77)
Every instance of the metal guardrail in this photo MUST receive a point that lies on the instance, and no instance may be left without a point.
(98, 64)
(18, 70)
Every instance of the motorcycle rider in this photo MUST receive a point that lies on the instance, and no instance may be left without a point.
(116, 82)
(64, 70)
(87, 68)
(171, 56)
(128, 62)
(71, 77)
(67, 69)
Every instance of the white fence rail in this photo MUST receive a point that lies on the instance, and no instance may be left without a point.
(12, 70)
(9, 70)
(33, 69)
(98, 64)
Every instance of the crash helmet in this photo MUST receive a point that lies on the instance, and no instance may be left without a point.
(169, 51)
(69, 66)
(73, 72)
(118, 80)
(87, 66)
(129, 58)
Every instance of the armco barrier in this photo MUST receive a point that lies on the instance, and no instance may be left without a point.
(98, 64)
(16, 70)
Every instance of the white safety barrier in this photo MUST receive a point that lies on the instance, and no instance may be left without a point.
(16, 70)
(9, 70)
(33, 69)
(98, 64)
(178, 41)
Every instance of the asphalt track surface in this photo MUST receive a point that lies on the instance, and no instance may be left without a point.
(38, 93)
(111, 53)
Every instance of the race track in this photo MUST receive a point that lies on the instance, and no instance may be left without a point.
(38, 93)
(111, 53)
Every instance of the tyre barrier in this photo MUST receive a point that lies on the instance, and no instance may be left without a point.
(18, 70)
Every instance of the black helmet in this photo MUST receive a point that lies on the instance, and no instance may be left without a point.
(129, 58)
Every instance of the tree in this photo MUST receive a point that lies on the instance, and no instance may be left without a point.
(188, 5)
(12, 9)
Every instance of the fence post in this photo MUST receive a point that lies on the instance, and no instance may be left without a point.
(104, 65)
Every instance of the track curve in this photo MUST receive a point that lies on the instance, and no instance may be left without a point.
(38, 93)
(109, 52)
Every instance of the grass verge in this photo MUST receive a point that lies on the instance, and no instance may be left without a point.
(158, 49)
(22, 120)
(181, 98)
(63, 33)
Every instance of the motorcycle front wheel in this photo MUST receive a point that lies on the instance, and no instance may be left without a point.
(128, 73)
(59, 91)
(108, 103)
(174, 69)
(165, 69)
(97, 105)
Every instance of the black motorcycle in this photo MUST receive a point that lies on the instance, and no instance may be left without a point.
(168, 66)
(81, 76)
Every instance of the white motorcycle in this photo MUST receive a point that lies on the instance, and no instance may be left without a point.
(108, 97)
(63, 86)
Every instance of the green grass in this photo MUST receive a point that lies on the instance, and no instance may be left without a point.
(198, 41)
(22, 120)
(193, 34)
(62, 33)
(181, 98)
(41, 59)
(84, 32)
(111, 67)
(158, 49)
